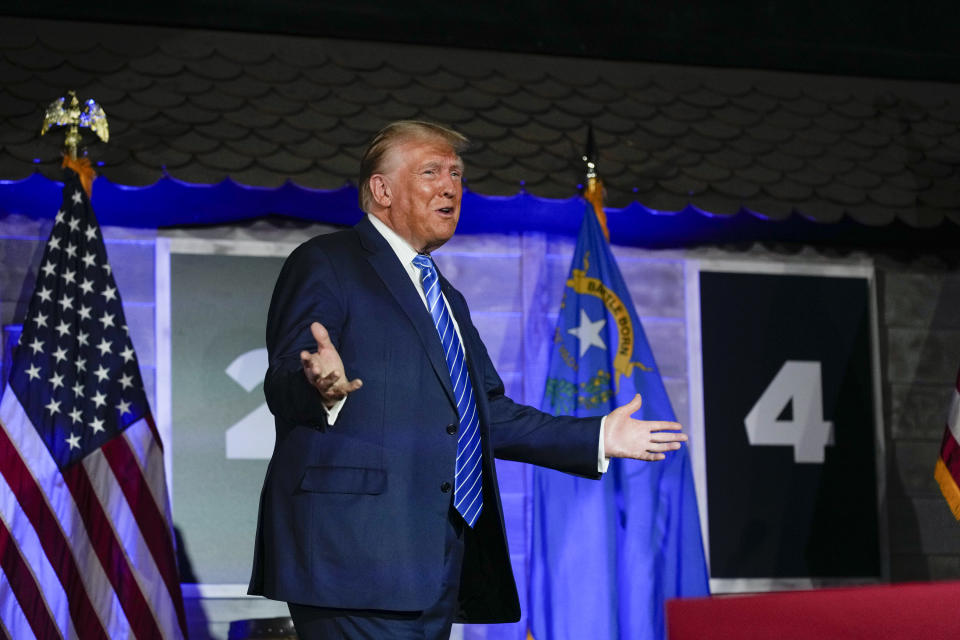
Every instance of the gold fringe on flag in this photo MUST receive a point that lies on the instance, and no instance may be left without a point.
(594, 195)
(948, 487)
(82, 167)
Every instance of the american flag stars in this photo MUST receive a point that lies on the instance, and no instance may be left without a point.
(123, 407)
(102, 373)
(96, 425)
(76, 341)
(63, 329)
(104, 346)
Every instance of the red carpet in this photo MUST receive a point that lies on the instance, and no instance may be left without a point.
(924, 611)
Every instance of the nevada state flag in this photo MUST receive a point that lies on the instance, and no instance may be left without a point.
(607, 554)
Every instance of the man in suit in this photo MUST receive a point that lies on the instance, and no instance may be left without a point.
(380, 513)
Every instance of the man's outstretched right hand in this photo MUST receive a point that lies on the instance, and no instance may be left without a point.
(324, 369)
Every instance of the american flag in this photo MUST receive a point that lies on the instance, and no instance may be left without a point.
(86, 548)
(947, 471)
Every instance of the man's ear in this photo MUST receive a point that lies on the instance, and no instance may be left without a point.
(380, 190)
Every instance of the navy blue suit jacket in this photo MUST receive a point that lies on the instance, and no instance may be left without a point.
(352, 515)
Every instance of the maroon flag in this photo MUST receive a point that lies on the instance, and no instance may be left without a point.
(86, 547)
(947, 470)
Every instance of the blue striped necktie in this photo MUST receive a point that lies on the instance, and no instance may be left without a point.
(467, 498)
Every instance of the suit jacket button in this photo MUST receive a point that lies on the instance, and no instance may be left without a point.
(445, 487)
(451, 428)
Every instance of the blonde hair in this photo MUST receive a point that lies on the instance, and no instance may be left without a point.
(389, 137)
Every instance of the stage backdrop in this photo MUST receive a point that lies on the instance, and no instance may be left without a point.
(792, 348)
(222, 430)
(792, 441)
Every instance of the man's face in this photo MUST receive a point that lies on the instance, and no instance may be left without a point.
(423, 178)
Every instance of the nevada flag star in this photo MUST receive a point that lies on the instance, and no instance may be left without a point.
(588, 333)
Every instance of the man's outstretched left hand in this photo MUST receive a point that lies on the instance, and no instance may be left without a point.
(625, 437)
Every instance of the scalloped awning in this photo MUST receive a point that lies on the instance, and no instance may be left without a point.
(171, 203)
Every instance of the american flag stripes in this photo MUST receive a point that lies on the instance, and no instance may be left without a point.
(86, 548)
(947, 470)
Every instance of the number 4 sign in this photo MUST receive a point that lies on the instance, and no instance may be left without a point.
(798, 386)
(790, 426)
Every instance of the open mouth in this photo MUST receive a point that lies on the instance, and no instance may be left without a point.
(445, 210)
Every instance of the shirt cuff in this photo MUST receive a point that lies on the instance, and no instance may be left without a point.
(603, 462)
(334, 411)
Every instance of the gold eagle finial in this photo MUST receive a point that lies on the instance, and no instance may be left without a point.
(70, 114)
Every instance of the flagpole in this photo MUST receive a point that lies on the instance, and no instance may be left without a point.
(593, 188)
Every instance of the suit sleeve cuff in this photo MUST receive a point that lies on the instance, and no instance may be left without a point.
(334, 411)
(603, 462)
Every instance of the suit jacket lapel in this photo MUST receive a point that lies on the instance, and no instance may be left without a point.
(386, 265)
(462, 314)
